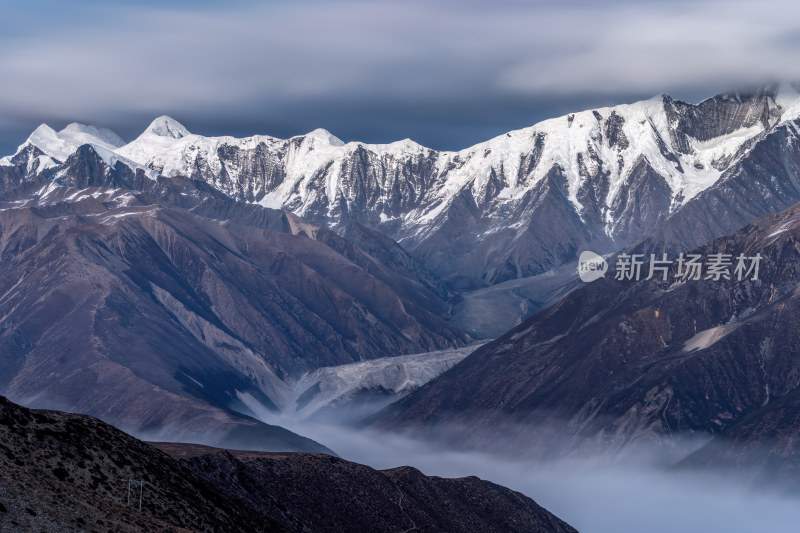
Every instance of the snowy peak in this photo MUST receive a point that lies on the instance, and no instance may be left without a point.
(44, 138)
(167, 147)
(59, 145)
(788, 100)
(165, 126)
(84, 134)
(323, 136)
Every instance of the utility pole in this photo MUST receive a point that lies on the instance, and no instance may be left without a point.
(141, 483)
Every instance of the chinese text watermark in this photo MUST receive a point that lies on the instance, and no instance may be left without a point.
(687, 267)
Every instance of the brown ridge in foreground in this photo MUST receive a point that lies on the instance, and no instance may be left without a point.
(69, 472)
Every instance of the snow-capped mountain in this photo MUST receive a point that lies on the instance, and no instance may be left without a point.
(98, 237)
(59, 145)
(47, 148)
(496, 214)
(617, 169)
(153, 303)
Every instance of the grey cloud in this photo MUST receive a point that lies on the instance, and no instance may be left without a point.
(270, 62)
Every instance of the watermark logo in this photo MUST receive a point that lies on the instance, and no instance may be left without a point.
(591, 266)
(686, 267)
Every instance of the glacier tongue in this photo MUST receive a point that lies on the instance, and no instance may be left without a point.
(355, 390)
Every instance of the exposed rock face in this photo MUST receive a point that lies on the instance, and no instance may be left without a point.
(65, 472)
(765, 181)
(619, 363)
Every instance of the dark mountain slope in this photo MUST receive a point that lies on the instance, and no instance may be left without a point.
(66, 472)
(398, 499)
(619, 363)
(165, 308)
(763, 445)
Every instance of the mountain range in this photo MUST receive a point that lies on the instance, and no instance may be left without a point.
(171, 310)
(498, 223)
(181, 285)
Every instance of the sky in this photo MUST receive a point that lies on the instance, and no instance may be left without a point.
(445, 74)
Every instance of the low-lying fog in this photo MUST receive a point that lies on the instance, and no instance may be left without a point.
(592, 498)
